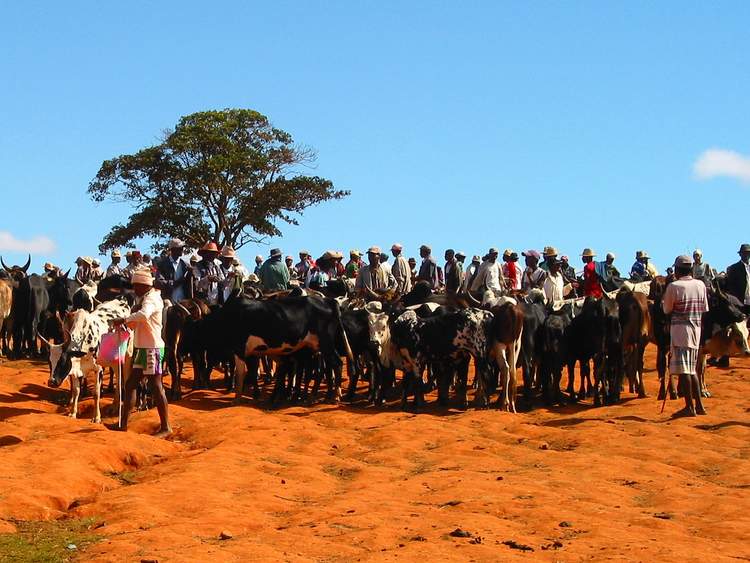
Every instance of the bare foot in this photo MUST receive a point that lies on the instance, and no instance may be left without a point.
(684, 412)
(163, 432)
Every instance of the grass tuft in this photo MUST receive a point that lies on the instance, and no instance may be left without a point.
(47, 542)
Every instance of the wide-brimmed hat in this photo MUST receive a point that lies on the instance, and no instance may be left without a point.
(588, 252)
(142, 277)
(507, 252)
(641, 254)
(397, 246)
(355, 252)
(531, 254)
(175, 243)
(493, 250)
(227, 252)
(744, 248)
(683, 260)
(373, 250)
(275, 252)
(49, 266)
(87, 259)
(549, 251)
(210, 246)
(116, 253)
(460, 254)
(329, 255)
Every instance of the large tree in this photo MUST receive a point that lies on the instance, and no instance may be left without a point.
(227, 176)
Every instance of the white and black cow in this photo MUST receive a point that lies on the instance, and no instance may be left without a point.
(77, 356)
(443, 340)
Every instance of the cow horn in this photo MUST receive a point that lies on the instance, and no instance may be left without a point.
(43, 339)
(25, 267)
(5, 266)
(66, 274)
(471, 299)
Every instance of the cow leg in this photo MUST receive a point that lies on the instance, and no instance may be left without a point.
(444, 374)
(641, 387)
(175, 393)
(251, 370)
(98, 382)
(462, 381)
(240, 370)
(75, 392)
(701, 375)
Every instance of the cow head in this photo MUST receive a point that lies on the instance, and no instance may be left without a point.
(738, 334)
(17, 273)
(380, 333)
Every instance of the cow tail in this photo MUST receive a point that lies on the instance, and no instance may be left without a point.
(337, 318)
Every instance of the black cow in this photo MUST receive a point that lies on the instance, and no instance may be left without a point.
(531, 356)
(30, 301)
(659, 334)
(278, 328)
(358, 332)
(112, 287)
(596, 335)
(60, 291)
(556, 352)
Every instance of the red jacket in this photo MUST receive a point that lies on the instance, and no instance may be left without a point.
(591, 284)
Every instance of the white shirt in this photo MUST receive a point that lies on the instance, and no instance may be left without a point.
(489, 277)
(146, 321)
(554, 287)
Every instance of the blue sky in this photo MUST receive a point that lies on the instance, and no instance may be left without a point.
(458, 124)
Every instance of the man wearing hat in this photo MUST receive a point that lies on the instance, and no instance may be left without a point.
(208, 274)
(259, 263)
(171, 272)
(135, 262)
(533, 275)
(738, 275)
(83, 273)
(323, 271)
(489, 281)
(701, 270)
(592, 284)
(511, 270)
(471, 272)
(642, 269)
(274, 274)
(148, 348)
(685, 299)
(96, 271)
(354, 264)
(568, 271)
(549, 255)
(234, 273)
(609, 265)
(555, 288)
(372, 280)
(400, 269)
(304, 264)
(50, 270)
(289, 261)
(428, 269)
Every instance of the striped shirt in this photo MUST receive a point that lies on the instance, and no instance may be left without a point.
(686, 300)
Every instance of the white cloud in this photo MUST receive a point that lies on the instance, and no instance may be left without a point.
(36, 245)
(721, 162)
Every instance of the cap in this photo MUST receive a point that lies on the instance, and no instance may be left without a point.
(175, 243)
(476, 258)
(373, 250)
(531, 253)
(142, 277)
(683, 260)
(588, 252)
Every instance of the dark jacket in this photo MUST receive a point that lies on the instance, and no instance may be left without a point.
(168, 278)
(737, 280)
(453, 277)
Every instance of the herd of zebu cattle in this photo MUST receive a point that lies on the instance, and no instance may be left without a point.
(299, 337)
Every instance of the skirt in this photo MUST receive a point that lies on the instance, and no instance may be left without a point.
(149, 360)
(683, 360)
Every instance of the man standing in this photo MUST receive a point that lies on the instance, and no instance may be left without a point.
(304, 264)
(233, 278)
(208, 274)
(738, 275)
(701, 270)
(489, 280)
(511, 270)
(384, 262)
(533, 275)
(555, 288)
(274, 274)
(148, 348)
(259, 263)
(171, 272)
(400, 270)
(289, 265)
(372, 280)
(452, 272)
(354, 264)
(592, 285)
(549, 255)
(413, 269)
(686, 300)
(428, 269)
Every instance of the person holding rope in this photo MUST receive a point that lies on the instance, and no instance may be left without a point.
(686, 300)
(148, 348)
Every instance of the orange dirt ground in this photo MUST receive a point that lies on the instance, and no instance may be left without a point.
(343, 483)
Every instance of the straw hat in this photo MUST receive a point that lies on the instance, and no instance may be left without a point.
(116, 253)
(227, 252)
(210, 246)
(175, 243)
(587, 252)
(549, 251)
(142, 277)
(373, 250)
(86, 259)
(354, 253)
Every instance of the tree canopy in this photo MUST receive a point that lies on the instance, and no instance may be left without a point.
(226, 176)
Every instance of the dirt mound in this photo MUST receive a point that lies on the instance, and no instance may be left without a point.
(353, 482)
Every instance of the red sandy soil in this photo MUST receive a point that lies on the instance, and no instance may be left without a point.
(330, 483)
